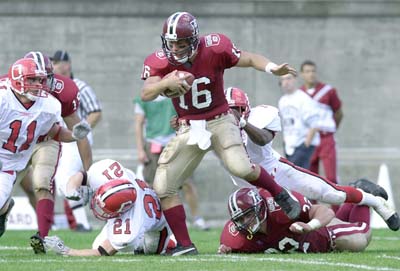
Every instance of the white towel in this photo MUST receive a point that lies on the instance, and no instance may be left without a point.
(199, 135)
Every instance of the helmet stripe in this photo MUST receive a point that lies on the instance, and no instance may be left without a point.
(233, 203)
(228, 95)
(115, 189)
(174, 22)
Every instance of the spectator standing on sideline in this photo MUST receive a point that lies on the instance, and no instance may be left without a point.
(300, 119)
(331, 114)
(154, 116)
(90, 110)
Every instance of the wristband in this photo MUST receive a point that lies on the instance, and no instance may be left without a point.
(270, 66)
(242, 122)
(314, 224)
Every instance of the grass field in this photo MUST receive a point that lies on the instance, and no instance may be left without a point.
(15, 254)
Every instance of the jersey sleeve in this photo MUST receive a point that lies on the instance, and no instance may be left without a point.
(155, 65)
(223, 47)
(68, 94)
(305, 206)
(334, 100)
(265, 117)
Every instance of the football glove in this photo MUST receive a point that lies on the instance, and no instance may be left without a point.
(55, 244)
(80, 130)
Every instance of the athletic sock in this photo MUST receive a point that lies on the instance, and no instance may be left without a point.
(45, 215)
(369, 200)
(353, 195)
(267, 182)
(176, 219)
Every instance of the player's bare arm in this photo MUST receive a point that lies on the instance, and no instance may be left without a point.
(93, 118)
(139, 124)
(155, 85)
(258, 136)
(310, 135)
(338, 116)
(85, 151)
(319, 215)
(74, 182)
(57, 245)
(262, 63)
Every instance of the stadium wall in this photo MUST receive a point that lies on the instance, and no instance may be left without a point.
(355, 44)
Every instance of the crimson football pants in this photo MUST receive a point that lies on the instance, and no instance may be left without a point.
(326, 151)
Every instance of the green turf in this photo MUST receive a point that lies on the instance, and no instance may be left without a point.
(15, 254)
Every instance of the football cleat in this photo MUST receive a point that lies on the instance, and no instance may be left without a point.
(370, 187)
(388, 214)
(3, 217)
(37, 243)
(289, 204)
(181, 250)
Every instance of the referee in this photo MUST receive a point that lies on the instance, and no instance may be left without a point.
(89, 109)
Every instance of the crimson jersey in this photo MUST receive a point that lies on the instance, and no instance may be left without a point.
(278, 238)
(65, 91)
(206, 99)
(324, 94)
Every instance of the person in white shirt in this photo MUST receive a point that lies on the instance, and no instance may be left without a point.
(300, 120)
(135, 221)
(259, 126)
(28, 115)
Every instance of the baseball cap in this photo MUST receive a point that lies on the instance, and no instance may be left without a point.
(60, 55)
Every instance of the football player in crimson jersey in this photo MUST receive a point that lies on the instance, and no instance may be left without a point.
(259, 126)
(204, 117)
(131, 208)
(28, 116)
(258, 225)
(37, 179)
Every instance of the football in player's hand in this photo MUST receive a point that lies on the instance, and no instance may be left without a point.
(187, 82)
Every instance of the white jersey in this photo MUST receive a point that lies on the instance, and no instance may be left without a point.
(21, 126)
(285, 173)
(127, 233)
(144, 226)
(299, 113)
(264, 117)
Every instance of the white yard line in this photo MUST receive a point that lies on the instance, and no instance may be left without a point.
(210, 258)
(389, 257)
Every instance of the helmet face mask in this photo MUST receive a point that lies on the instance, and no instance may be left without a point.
(28, 79)
(180, 28)
(248, 210)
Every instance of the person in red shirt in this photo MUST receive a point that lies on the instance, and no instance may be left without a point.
(331, 115)
(258, 225)
(205, 121)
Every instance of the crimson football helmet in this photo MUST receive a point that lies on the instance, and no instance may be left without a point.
(45, 64)
(247, 210)
(113, 198)
(237, 99)
(21, 75)
(180, 26)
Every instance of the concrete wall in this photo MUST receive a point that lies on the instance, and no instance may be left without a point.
(356, 45)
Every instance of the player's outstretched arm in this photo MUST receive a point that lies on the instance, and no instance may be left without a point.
(262, 63)
(319, 215)
(57, 245)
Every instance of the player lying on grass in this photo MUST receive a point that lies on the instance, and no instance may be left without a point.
(259, 126)
(258, 225)
(135, 222)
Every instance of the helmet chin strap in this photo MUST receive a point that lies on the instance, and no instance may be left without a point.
(30, 96)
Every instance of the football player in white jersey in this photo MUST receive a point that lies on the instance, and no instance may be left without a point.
(135, 222)
(28, 115)
(259, 125)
